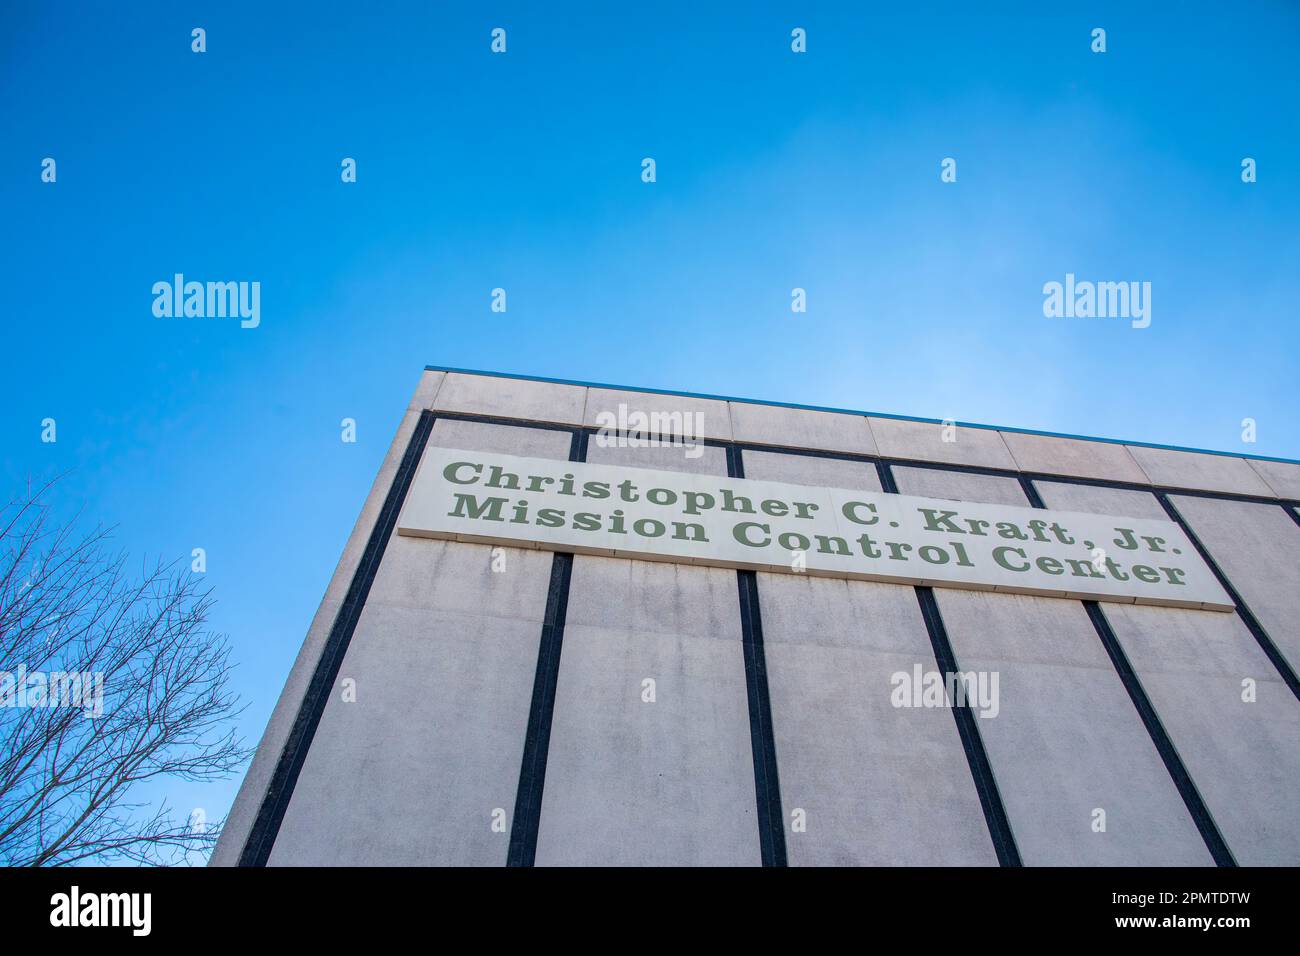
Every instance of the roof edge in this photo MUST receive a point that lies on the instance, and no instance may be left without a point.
(853, 411)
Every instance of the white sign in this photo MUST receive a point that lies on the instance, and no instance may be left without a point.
(771, 526)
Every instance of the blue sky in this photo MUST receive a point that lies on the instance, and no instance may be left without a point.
(522, 171)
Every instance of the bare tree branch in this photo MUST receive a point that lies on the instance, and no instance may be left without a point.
(107, 683)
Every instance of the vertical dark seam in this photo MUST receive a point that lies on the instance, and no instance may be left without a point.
(1243, 611)
(1209, 830)
(275, 802)
(537, 740)
(977, 758)
(762, 738)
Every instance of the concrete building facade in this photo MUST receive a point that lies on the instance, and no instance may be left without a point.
(465, 703)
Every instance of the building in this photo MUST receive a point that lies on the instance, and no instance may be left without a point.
(489, 686)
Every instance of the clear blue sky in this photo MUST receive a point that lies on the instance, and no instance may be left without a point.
(522, 171)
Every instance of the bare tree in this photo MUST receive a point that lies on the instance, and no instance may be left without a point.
(110, 685)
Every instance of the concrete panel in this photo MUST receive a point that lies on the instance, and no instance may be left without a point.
(663, 783)
(934, 483)
(426, 390)
(1244, 757)
(701, 460)
(923, 441)
(412, 771)
(446, 649)
(248, 801)
(670, 782)
(1067, 739)
(801, 428)
(1062, 496)
(1075, 457)
(503, 439)
(810, 470)
(1282, 476)
(1257, 546)
(668, 414)
(1183, 469)
(471, 436)
(877, 784)
(512, 398)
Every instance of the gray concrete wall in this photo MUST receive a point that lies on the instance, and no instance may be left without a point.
(443, 658)
(417, 768)
(635, 783)
(248, 801)
(877, 784)
(1258, 547)
(1067, 739)
(1244, 757)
